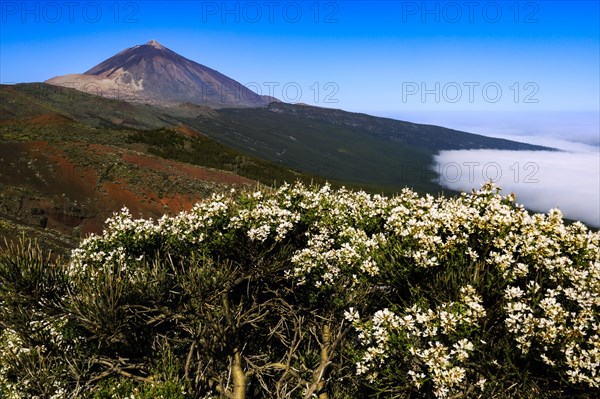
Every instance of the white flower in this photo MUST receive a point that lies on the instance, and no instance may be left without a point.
(352, 315)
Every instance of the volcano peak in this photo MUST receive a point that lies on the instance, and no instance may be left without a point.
(155, 44)
(151, 73)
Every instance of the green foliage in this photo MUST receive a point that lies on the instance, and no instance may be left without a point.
(204, 151)
(302, 291)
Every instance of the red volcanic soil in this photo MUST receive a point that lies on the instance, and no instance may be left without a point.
(178, 203)
(71, 195)
(119, 197)
(148, 204)
(198, 172)
(50, 181)
(49, 119)
(187, 131)
(37, 165)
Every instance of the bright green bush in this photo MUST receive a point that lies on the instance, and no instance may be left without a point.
(311, 292)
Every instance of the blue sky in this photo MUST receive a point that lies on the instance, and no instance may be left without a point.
(526, 70)
(387, 57)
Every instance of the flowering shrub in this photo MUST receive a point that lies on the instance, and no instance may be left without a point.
(301, 292)
(419, 333)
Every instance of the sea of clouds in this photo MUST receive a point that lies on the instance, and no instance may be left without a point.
(542, 180)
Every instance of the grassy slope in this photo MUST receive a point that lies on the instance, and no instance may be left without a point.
(345, 146)
(25, 100)
(318, 147)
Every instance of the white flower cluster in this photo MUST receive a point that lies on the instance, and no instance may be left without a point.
(423, 331)
(340, 238)
(548, 272)
(261, 218)
(11, 346)
(348, 251)
(434, 230)
(124, 237)
(563, 322)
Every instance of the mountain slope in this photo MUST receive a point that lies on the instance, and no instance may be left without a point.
(338, 145)
(343, 146)
(414, 134)
(67, 163)
(151, 73)
(33, 99)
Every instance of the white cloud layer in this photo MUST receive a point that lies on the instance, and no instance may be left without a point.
(542, 180)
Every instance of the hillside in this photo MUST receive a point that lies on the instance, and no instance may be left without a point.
(67, 163)
(69, 159)
(341, 145)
